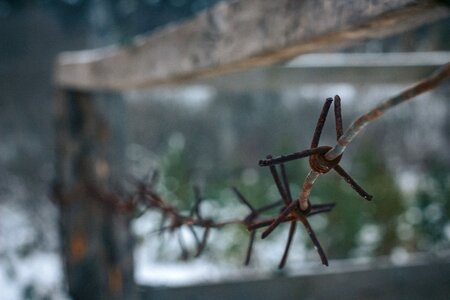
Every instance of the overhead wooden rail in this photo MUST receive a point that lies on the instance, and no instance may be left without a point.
(329, 68)
(376, 280)
(237, 35)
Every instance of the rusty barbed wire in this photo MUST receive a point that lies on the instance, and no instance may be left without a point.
(319, 164)
(145, 198)
(322, 159)
(292, 215)
(195, 218)
(439, 76)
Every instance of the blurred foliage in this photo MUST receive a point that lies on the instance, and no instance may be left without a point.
(432, 224)
(388, 201)
(195, 154)
(355, 228)
(346, 228)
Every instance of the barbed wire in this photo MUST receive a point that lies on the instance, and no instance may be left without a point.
(322, 159)
(325, 158)
(438, 77)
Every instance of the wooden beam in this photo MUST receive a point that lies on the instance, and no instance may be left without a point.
(378, 280)
(238, 35)
(329, 68)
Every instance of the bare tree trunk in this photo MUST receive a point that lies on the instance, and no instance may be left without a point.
(96, 242)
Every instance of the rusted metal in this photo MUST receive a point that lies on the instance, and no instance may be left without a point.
(322, 159)
(438, 77)
(353, 183)
(301, 208)
(292, 229)
(265, 223)
(313, 237)
(303, 199)
(251, 219)
(325, 158)
(250, 248)
(321, 123)
(278, 183)
(280, 219)
(269, 161)
(320, 208)
(318, 162)
(292, 213)
(338, 117)
(173, 220)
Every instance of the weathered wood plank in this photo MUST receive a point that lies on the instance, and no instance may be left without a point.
(413, 282)
(329, 68)
(96, 242)
(239, 35)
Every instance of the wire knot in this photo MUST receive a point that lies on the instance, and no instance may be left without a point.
(319, 163)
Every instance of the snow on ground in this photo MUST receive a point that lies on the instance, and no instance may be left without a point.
(155, 268)
(25, 271)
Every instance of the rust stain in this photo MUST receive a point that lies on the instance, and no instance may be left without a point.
(115, 280)
(102, 169)
(78, 247)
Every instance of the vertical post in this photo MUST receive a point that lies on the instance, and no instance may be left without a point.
(96, 243)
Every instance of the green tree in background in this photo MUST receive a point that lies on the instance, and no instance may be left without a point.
(356, 223)
(388, 200)
(432, 198)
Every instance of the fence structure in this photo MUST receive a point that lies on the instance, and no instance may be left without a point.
(412, 281)
(232, 36)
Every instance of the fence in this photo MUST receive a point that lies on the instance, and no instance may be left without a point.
(414, 281)
(230, 37)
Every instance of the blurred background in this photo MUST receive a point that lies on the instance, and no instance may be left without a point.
(211, 133)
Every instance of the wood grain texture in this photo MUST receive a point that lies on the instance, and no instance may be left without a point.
(96, 242)
(375, 280)
(238, 35)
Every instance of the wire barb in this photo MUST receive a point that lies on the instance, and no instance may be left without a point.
(338, 117)
(321, 123)
(322, 159)
(288, 245)
(439, 76)
(353, 183)
(269, 161)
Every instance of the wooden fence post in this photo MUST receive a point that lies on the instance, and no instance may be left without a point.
(95, 239)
